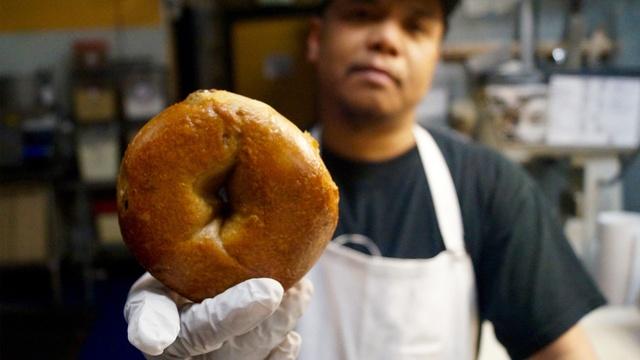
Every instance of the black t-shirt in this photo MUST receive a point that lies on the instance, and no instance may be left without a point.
(530, 284)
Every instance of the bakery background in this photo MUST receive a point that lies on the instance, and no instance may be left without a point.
(552, 84)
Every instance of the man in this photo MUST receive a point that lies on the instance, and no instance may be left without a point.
(455, 234)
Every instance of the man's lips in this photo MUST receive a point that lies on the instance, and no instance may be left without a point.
(373, 73)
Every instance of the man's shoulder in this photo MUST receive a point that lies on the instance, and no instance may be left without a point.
(470, 161)
(460, 150)
(452, 141)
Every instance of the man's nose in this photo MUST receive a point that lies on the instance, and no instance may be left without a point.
(385, 37)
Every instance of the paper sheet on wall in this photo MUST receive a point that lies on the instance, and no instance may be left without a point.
(566, 97)
(620, 114)
(594, 111)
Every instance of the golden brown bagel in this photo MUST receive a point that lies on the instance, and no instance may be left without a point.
(220, 188)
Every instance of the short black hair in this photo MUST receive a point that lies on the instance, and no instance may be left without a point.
(448, 6)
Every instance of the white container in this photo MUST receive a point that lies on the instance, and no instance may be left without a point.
(98, 154)
(617, 261)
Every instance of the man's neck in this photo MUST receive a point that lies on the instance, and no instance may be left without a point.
(373, 142)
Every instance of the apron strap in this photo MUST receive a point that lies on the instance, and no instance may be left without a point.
(443, 191)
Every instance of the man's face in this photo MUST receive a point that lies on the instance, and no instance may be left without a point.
(377, 58)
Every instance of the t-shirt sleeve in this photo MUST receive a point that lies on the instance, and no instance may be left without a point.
(531, 285)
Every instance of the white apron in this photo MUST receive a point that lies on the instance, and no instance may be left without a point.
(371, 307)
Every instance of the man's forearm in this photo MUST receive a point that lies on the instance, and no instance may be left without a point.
(573, 344)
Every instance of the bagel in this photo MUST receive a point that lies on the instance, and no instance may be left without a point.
(219, 189)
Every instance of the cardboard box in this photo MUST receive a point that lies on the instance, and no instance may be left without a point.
(108, 229)
(94, 104)
(24, 224)
(105, 213)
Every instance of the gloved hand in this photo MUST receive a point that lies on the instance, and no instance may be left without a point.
(252, 320)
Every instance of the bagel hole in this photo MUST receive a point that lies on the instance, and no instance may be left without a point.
(225, 203)
(126, 204)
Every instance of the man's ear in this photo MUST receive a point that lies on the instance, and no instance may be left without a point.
(313, 40)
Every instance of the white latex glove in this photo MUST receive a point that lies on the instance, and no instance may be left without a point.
(252, 320)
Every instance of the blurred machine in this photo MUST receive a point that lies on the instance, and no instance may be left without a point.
(543, 108)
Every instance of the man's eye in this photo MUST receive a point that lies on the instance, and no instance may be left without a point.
(419, 27)
(415, 27)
